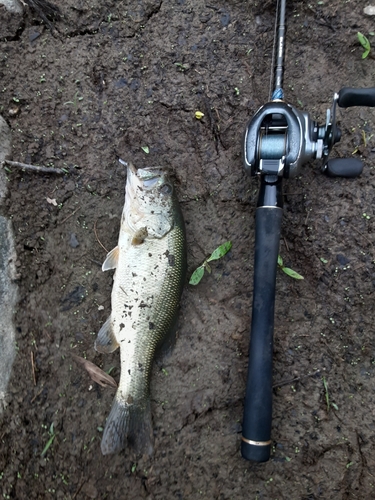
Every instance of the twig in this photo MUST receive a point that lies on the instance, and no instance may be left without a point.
(70, 215)
(36, 395)
(96, 234)
(34, 168)
(307, 216)
(46, 10)
(33, 366)
(290, 381)
(96, 262)
(363, 236)
(80, 485)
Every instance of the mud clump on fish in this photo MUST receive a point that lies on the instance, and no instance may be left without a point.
(150, 263)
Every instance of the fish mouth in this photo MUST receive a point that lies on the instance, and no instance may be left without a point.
(140, 182)
(143, 178)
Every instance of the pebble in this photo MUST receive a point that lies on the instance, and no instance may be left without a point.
(73, 242)
(369, 10)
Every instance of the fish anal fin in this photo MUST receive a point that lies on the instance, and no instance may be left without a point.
(128, 424)
(111, 259)
(106, 341)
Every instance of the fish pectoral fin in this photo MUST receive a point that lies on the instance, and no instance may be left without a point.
(106, 341)
(139, 236)
(111, 259)
(128, 424)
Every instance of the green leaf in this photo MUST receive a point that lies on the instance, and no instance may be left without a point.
(280, 261)
(325, 384)
(197, 276)
(365, 44)
(363, 41)
(220, 251)
(47, 446)
(323, 260)
(292, 273)
(145, 149)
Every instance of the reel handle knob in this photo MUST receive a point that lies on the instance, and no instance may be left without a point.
(349, 97)
(344, 167)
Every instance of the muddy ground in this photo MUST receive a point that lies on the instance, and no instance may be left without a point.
(111, 80)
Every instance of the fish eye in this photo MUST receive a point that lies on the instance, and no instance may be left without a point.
(166, 189)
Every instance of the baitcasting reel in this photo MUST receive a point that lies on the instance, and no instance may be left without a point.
(280, 139)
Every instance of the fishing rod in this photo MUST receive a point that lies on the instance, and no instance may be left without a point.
(278, 140)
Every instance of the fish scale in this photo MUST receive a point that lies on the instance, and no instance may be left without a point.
(153, 319)
(150, 263)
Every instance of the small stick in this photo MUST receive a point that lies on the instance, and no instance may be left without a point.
(33, 366)
(307, 216)
(70, 215)
(34, 168)
(96, 234)
(81, 483)
(36, 395)
(363, 236)
(286, 382)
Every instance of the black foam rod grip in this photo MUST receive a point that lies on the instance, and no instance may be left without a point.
(344, 167)
(257, 419)
(349, 97)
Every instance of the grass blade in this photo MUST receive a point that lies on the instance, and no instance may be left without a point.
(47, 446)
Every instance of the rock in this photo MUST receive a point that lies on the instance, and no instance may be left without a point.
(73, 242)
(369, 10)
(13, 6)
(10, 18)
(8, 289)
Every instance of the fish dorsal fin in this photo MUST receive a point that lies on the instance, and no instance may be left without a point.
(111, 259)
(106, 341)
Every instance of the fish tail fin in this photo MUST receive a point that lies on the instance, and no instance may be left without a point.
(128, 423)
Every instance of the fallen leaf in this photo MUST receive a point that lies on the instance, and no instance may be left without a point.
(96, 373)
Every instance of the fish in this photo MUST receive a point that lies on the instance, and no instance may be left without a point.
(150, 271)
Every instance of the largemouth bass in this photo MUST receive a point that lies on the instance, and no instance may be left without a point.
(150, 263)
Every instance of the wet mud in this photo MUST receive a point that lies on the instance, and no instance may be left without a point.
(124, 80)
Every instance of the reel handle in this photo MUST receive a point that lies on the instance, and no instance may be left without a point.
(349, 97)
(257, 419)
(343, 167)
